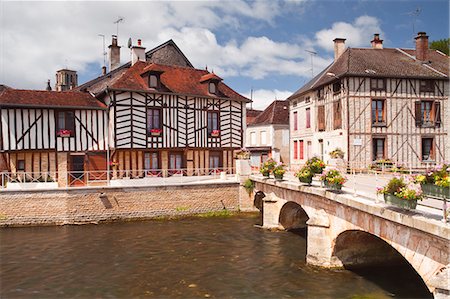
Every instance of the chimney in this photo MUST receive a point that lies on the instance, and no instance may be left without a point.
(377, 43)
(103, 70)
(114, 54)
(137, 53)
(339, 47)
(48, 88)
(421, 46)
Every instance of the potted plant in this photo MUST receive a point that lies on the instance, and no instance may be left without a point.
(279, 171)
(316, 165)
(155, 132)
(267, 167)
(64, 133)
(243, 154)
(305, 175)
(333, 179)
(337, 154)
(215, 133)
(402, 192)
(436, 182)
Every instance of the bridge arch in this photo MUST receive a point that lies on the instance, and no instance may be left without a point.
(360, 251)
(292, 216)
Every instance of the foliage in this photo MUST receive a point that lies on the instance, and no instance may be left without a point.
(337, 154)
(268, 166)
(441, 45)
(279, 170)
(249, 186)
(243, 154)
(316, 165)
(441, 175)
(333, 177)
(305, 175)
(406, 188)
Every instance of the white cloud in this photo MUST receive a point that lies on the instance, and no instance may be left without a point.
(359, 33)
(263, 97)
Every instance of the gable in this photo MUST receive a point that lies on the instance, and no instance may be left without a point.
(168, 54)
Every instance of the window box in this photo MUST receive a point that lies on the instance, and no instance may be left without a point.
(64, 133)
(155, 132)
(215, 133)
(408, 204)
(435, 191)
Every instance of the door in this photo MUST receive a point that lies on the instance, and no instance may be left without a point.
(175, 163)
(96, 165)
(76, 167)
(321, 149)
(215, 162)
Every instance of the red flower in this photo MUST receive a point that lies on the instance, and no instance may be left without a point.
(155, 130)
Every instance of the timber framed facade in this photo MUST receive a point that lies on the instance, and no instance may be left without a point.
(376, 104)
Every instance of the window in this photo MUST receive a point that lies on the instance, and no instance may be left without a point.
(213, 121)
(321, 118)
(295, 121)
(337, 87)
(214, 160)
(320, 94)
(378, 148)
(263, 137)
(175, 163)
(20, 165)
(153, 81)
(428, 113)
(307, 99)
(337, 115)
(427, 86)
(65, 123)
(378, 113)
(253, 138)
(427, 149)
(212, 87)
(151, 161)
(302, 154)
(377, 84)
(154, 120)
(308, 149)
(294, 104)
(308, 118)
(295, 150)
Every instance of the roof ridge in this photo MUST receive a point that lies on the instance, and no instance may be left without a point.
(423, 64)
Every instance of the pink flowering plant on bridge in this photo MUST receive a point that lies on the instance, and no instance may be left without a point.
(404, 188)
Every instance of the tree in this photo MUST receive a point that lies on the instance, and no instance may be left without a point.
(441, 45)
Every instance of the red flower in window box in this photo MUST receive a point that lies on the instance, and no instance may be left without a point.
(155, 132)
(215, 133)
(64, 133)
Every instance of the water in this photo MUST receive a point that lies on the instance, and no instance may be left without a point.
(187, 258)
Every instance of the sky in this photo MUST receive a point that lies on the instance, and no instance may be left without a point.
(260, 48)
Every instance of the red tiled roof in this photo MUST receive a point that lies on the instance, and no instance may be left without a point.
(276, 113)
(210, 76)
(388, 62)
(176, 79)
(44, 98)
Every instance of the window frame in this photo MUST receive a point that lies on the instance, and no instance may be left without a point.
(158, 80)
(160, 122)
(375, 122)
(308, 118)
(158, 160)
(211, 128)
(216, 154)
(212, 83)
(374, 146)
(428, 86)
(337, 115)
(337, 86)
(376, 87)
(321, 126)
(19, 162)
(295, 149)
(301, 144)
(295, 117)
(432, 154)
(71, 128)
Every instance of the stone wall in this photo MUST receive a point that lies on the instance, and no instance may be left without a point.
(93, 205)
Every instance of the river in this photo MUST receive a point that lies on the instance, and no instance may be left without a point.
(183, 258)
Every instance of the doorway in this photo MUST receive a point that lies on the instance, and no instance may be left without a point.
(76, 168)
(176, 163)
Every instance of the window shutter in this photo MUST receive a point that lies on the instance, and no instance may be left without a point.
(437, 114)
(418, 114)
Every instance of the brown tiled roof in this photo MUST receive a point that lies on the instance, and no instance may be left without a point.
(176, 79)
(252, 114)
(44, 98)
(388, 62)
(276, 113)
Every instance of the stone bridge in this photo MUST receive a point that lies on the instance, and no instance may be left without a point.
(344, 231)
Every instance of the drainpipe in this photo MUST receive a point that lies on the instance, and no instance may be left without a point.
(348, 121)
(107, 142)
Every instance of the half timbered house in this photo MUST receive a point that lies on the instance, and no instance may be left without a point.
(375, 104)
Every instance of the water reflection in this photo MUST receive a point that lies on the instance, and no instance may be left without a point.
(189, 258)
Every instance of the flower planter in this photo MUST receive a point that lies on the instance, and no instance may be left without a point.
(215, 135)
(401, 203)
(266, 174)
(278, 177)
(436, 191)
(155, 134)
(333, 187)
(64, 135)
(305, 180)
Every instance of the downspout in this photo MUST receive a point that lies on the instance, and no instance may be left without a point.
(108, 168)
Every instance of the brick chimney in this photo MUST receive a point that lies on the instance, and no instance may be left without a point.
(339, 47)
(421, 46)
(377, 43)
(114, 54)
(137, 53)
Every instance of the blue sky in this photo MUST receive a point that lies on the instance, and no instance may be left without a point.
(259, 45)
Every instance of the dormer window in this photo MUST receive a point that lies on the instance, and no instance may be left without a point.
(153, 81)
(212, 87)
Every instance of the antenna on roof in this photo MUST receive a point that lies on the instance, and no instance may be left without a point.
(119, 20)
(104, 50)
(251, 98)
(312, 53)
(130, 43)
(414, 14)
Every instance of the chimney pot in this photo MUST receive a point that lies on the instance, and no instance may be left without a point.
(137, 53)
(103, 70)
(339, 47)
(139, 42)
(377, 43)
(421, 46)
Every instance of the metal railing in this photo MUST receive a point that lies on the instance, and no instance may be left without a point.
(43, 180)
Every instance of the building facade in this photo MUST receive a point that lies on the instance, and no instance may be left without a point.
(267, 135)
(375, 104)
